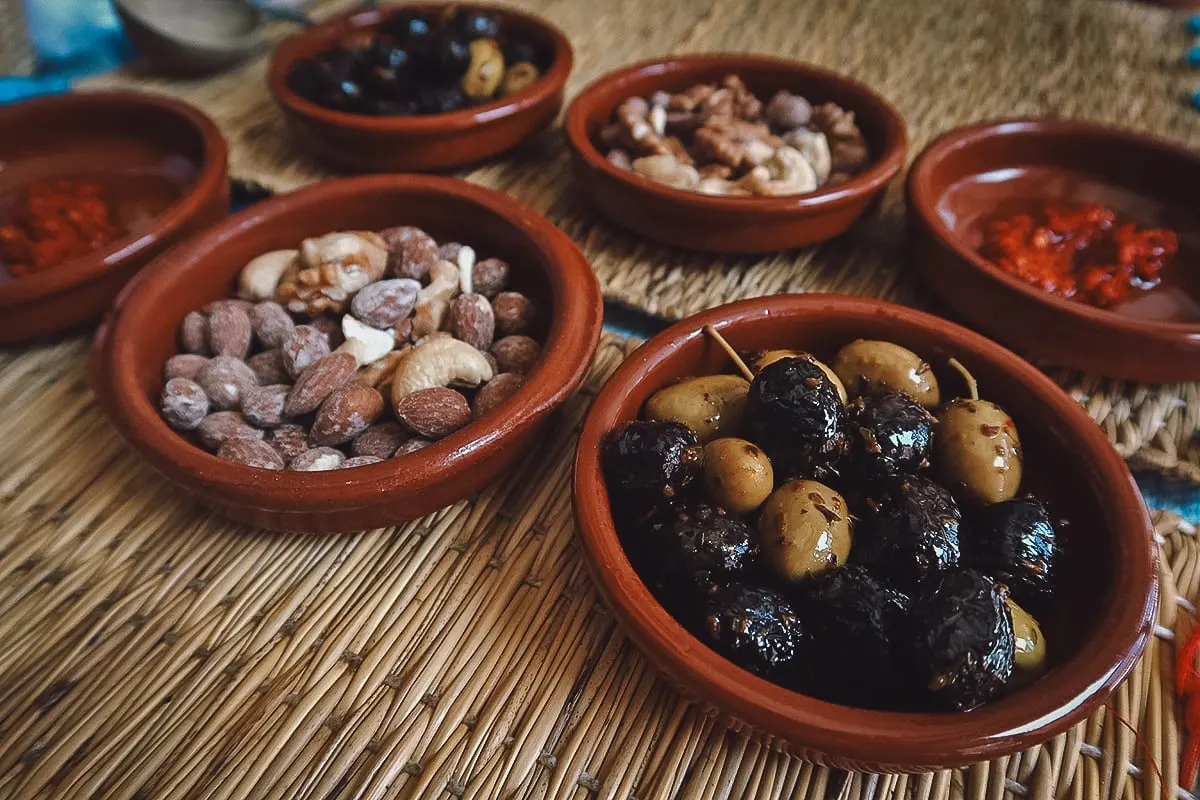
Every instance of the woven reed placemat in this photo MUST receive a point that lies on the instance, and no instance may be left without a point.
(152, 650)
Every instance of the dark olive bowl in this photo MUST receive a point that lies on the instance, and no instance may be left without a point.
(974, 173)
(1105, 607)
(142, 332)
(425, 143)
(161, 165)
(732, 224)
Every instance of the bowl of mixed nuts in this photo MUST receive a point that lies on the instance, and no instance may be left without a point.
(420, 87)
(733, 153)
(350, 355)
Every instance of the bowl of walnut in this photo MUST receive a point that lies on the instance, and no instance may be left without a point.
(351, 355)
(733, 153)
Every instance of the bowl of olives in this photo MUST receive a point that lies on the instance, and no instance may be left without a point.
(420, 87)
(866, 532)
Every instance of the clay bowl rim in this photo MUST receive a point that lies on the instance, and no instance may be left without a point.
(585, 109)
(210, 178)
(571, 340)
(339, 28)
(907, 740)
(922, 202)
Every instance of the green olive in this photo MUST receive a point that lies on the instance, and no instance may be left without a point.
(804, 529)
(519, 77)
(738, 474)
(486, 70)
(768, 357)
(869, 367)
(1029, 656)
(977, 451)
(712, 405)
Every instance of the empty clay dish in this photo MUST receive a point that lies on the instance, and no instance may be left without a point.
(732, 224)
(421, 143)
(183, 37)
(974, 173)
(161, 165)
(142, 332)
(1105, 606)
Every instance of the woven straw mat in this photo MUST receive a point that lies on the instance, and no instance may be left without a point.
(153, 650)
(943, 63)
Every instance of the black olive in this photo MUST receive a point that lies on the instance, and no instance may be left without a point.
(646, 462)
(440, 59)
(962, 639)
(473, 25)
(389, 108)
(889, 435)
(702, 546)
(907, 531)
(757, 629)
(311, 79)
(1015, 543)
(406, 25)
(795, 413)
(439, 99)
(517, 51)
(857, 624)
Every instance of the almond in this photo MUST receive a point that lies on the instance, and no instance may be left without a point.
(223, 379)
(318, 382)
(229, 331)
(221, 426)
(495, 392)
(183, 404)
(235, 302)
(384, 303)
(271, 323)
(472, 320)
(288, 440)
(516, 354)
(360, 461)
(184, 365)
(250, 453)
(193, 333)
(411, 251)
(317, 459)
(489, 277)
(303, 347)
(433, 413)
(411, 446)
(348, 412)
(268, 367)
(381, 439)
(514, 313)
(262, 406)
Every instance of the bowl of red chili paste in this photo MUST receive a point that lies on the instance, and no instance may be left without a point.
(92, 188)
(1075, 243)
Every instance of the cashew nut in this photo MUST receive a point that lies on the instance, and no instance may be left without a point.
(365, 343)
(466, 266)
(433, 301)
(786, 172)
(658, 119)
(260, 277)
(815, 148)
(668, 170)
(438, 362)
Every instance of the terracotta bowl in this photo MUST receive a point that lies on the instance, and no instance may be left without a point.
(731, 224)
(162, 166)
(1107, 602)
(365, 143)
(974, 173)
(142, 332)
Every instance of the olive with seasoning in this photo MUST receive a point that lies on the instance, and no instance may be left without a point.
(711, 405)
(889, 434)
(794, 412)
(804, 529)
(703, 547)
(962, 639)
(871, 367)
(1015, 542)
(977, 452)
(737, 474)
(1029, 646)
(766, 358)
(756, 628)
(652, 461)
(484, 71)
(908, 531)
(473, 24)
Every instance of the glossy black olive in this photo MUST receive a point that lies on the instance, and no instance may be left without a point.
(647, 462)
(1015, 543)
(962, 639)
(406, 25)
(517, 51)
(758, 629)
(794, 412)
(390, 108)
(440, 59)
(703, 546)
(907, 531)
(475, 25)
(858, 625)
(439, 99)
(890, 434)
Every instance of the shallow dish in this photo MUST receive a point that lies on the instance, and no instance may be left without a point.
(419, 143)
(972, 173)
(191, 39)
(1106, 606)
(141, 333)
(162, 166)
(732, 224)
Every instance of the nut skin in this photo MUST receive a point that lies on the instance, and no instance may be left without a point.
(737, 474)
(184, 365)
(223, 379)
(977, 452)
(384, 303)
(220, 426)
(262, 406)
(250, 453)
(472, 320)
(514, 313)
(303, 347)
(871, 367)
(804, 529)
(434, 413)
(345, 414)
(495, 393)
(288, 440)
(318, 382)
(271, 324)
(317, 459)
(193, 334)
(489, 277)
(516, 354)
(268, 367)
(184, 404)
(229, 331)
(381, 440)
(711, 405)
(411, 252)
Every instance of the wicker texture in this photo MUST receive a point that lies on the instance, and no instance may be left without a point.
(151, 650)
